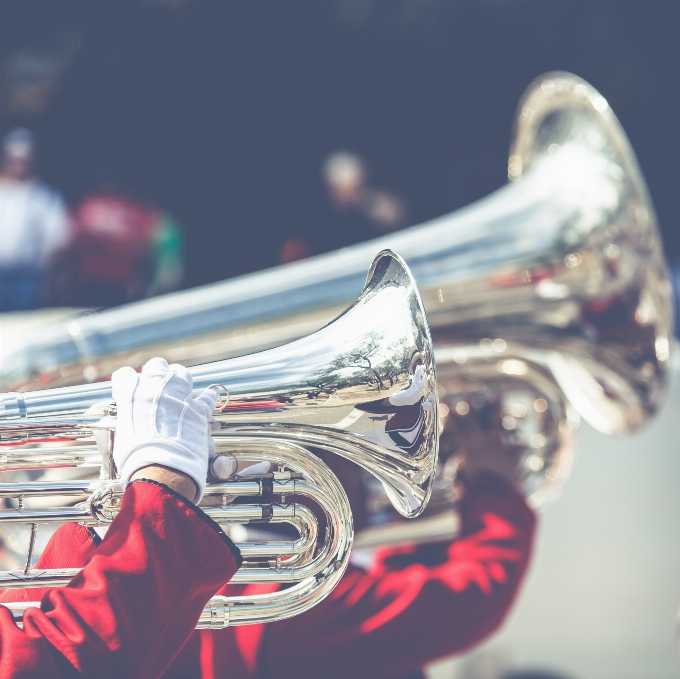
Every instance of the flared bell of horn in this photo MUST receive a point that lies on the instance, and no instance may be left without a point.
(364, 386)
(558, 276)
(563, 267)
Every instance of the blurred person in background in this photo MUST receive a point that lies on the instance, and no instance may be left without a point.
(346, 178)
(412, 605)
(122, 250)
(354, 210)
(34, 224)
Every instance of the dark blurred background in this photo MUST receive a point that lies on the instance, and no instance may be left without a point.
(223, 112)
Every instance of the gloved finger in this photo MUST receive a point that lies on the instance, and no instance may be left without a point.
(123, 383)
(99, 408)
(223, 467)
(182, 380)
(155, 366)
(209, 398)
(182, 371)
(256, 469)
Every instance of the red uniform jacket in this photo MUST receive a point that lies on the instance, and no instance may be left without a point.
(136, 601)
(413, 606)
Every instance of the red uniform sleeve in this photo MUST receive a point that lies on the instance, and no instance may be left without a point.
(415, 605)
(136, 601)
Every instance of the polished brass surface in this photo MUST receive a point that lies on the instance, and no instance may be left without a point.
(311, 572)
(551, 291)
(331, 389)
(363, 387)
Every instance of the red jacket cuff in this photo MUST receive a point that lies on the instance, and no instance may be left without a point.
(137, 599)
(201, 515)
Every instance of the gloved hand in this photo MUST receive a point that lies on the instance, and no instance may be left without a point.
(159, 422)
(413, 393)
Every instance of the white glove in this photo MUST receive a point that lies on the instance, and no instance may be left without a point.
(414, 391)
(160, 423)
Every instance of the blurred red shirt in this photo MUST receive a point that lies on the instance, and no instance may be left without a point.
(412, 606)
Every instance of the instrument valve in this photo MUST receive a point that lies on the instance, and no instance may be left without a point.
(105, 502)
(276, 564)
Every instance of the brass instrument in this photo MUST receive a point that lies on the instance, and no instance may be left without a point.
(550, 295)
(311, 392)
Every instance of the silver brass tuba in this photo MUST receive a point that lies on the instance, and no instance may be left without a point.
(553, 289)
(318, 391)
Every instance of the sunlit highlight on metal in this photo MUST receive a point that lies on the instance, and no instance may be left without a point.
(316, 390)
(319, 390)
(556, 282)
